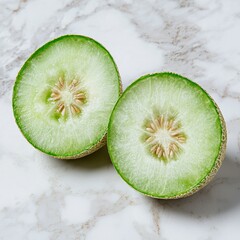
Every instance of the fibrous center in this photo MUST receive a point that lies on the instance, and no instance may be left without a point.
(164, 137)
(68, 97)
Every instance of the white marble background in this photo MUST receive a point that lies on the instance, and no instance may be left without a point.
(43, 198)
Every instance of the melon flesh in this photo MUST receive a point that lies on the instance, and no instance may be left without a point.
(69, 57)
(173, 96)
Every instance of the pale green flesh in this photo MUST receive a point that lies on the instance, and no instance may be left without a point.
(149, 96)
(72, 57)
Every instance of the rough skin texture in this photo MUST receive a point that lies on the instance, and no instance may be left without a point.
(87, 152)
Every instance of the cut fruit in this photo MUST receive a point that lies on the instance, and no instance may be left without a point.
(64, 94)
(166, 136)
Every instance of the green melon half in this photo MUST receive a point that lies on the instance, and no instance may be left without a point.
(166, 136)
(64, 94)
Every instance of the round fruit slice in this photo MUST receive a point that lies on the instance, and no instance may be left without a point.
(166, 136)
(64, 95)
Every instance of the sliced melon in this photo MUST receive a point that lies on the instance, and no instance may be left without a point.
(64, 94)
(166, 136)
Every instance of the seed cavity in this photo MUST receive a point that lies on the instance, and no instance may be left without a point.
(164, 137)
(69, 97)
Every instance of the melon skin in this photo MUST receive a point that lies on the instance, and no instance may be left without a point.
(100, 140)
(204, 181)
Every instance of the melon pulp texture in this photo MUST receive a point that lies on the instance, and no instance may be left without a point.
(64, 94)
(166, 136)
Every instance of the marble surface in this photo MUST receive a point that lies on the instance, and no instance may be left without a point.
(44, 198)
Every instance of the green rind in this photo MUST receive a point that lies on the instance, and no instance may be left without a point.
(218, 161)
(101, 139)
